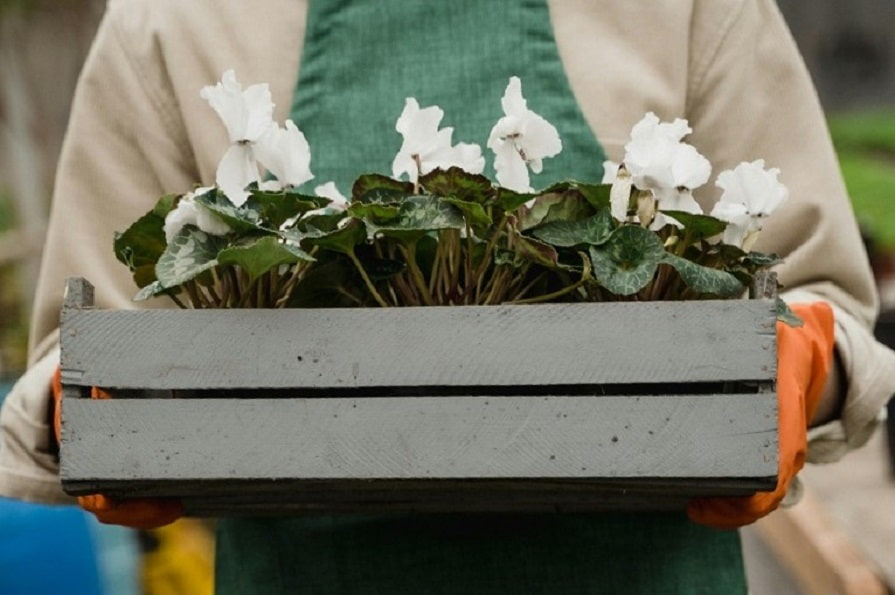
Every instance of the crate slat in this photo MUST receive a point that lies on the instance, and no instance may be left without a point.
(457, 346)
(191, 441)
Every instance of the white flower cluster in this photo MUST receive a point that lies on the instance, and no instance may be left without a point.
(520, 140)
(657, 163)
(666, 170)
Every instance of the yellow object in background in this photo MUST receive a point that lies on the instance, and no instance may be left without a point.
(178, 559)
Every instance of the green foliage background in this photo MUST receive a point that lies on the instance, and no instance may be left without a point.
(865, 142)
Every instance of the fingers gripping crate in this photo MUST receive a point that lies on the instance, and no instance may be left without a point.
(538, 407)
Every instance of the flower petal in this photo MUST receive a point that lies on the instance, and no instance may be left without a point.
(286, 154)
(185, 213)
(246, 114)
(237, 170)
(512, 102)
(511, 170)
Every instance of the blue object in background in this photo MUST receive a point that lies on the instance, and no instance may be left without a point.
(53, 550)
(46, 550)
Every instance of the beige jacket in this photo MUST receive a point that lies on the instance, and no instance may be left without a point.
(139, 129)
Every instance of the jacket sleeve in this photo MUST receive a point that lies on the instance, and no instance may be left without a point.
(124, 148)
(751, 97)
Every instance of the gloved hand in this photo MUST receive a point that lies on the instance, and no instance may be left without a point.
(137, 513)
(804, 360)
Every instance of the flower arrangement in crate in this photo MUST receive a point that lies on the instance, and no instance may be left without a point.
(438, 231)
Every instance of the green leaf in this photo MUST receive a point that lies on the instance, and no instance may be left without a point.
(259, 255)
(704, 279)
(535, 251)
(509, 200)
(473, 212)
(275, 208)
(165, 205)
(317, 224)
(190, 253)
(240, 219)
(567, 205)
(152, 290)
(376, 188)
(458, 183)
(375, 212)
(424, 213)
(566, 234)
(141, 245)
(342, 239)
(627, 262)
(332, 282)
(761, 260)
(698, 226)
(787, 316)
(596, 194)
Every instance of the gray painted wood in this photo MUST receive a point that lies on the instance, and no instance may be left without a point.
(215, 447)
(570, 432)
(538, 345)
(79, 293)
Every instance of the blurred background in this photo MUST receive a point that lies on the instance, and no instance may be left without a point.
(850, 51)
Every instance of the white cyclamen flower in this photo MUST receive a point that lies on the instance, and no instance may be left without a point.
(189, 212)
(520, 140)
(750, 193)
(660, 162)
(286, 154)
(248, 115)
(426, 148)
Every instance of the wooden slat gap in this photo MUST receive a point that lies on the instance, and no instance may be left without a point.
(549, 390)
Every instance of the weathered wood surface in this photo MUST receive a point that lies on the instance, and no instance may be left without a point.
(313, 450)
(565, 406)
(540, 345)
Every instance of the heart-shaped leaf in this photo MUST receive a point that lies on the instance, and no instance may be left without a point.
(191, 252)
(259, 255)
(704, 279)
(627, 262)
(459, 184)
(594, 230)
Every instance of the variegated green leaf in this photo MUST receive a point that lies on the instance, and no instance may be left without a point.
(259, 255)
(191, 252)
(627, 262)
(594, 230)
(704, 279)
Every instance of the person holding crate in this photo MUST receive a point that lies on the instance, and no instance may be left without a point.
(139, 129)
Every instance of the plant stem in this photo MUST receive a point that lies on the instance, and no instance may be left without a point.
(531, 284)
(415, 274)
(366, 278)
(585, 276)
(234, 286)
(177, 301)
(489, 248)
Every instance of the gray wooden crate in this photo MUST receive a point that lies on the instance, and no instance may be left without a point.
(540, 407)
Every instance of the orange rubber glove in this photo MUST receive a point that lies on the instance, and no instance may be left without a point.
(804, 359)
(136, 513)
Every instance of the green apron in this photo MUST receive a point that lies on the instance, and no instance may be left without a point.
(361, 59)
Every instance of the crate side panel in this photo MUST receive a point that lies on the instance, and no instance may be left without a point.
(549, 344)
(717, 436)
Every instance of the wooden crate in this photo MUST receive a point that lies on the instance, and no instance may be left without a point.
(539, 407)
